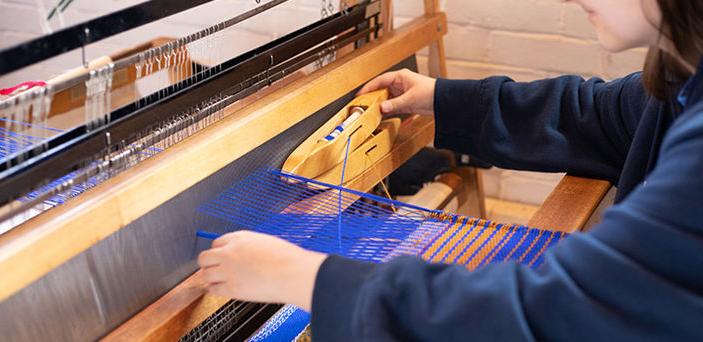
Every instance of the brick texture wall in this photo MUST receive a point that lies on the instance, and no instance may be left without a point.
(524, 39)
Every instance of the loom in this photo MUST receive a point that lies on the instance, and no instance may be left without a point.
(108, 194)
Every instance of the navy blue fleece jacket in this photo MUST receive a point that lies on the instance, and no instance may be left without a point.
(638, 276)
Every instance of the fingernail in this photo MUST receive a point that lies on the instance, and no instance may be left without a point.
(386, 106)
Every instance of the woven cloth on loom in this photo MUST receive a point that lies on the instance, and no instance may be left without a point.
(332, 219)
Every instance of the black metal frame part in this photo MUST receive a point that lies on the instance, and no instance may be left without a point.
(77, 36)
(255, 320)
(69, 151)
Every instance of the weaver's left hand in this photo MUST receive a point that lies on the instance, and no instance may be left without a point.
(260, 268)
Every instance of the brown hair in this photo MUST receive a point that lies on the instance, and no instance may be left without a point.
(682, 23)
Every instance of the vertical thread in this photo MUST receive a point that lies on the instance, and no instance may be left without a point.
(339, 206)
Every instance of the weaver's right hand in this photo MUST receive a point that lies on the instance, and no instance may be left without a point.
(410, 92)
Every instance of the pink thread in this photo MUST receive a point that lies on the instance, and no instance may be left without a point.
(21, 87)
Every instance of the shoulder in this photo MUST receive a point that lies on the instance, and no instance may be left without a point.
(687, 128)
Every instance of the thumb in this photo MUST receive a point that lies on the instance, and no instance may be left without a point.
(398, 105)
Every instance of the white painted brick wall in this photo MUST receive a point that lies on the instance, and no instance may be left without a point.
(524, 39)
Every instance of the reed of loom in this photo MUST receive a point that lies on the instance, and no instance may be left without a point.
(42, 244)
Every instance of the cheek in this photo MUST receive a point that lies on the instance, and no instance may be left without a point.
(609, 40)
(620, 30)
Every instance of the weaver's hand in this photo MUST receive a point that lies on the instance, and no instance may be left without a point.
(410, 92)
(260, 268)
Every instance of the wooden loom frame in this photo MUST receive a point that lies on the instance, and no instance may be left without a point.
(47, 241)
(33, 249)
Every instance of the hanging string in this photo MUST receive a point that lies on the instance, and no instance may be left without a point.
(383, 184)
(339, 204)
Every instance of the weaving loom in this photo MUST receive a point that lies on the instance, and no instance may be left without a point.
(108, 191)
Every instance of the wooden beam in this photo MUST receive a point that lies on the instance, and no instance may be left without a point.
(171, 316)
(187, 305)
(475, 204)
(47, 241)
(387, 15)
(437, 65)
(569, 207)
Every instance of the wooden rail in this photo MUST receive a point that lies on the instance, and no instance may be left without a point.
(572, 203)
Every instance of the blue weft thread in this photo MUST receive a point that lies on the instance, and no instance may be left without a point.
(339, 207)
(207, 235)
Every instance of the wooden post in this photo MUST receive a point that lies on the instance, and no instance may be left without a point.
(387, 15)
(437, 64)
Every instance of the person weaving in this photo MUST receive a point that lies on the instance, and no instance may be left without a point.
(636, 276)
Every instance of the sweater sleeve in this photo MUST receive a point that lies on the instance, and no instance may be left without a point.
(565, 124)
(638, 276)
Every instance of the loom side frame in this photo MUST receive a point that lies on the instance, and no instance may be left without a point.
(47, 241)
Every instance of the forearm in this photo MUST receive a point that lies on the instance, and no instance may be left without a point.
(564, 124)
(299, 279)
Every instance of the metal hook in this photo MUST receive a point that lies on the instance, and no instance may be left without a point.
(85, 42)
(268, 70)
